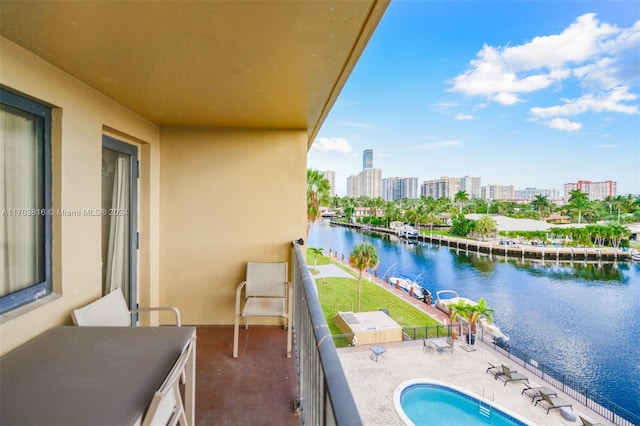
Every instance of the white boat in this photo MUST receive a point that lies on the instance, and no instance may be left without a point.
(446, 298)
(411, 286)
(406, 231)
(636, 256)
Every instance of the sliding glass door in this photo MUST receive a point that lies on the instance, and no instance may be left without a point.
(119, 230)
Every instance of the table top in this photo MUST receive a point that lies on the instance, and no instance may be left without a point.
(440, 343)
(87, 375)
(378, 349)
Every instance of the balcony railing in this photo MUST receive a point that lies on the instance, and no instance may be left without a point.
(324, 396)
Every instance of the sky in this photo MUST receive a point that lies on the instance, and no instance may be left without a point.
(526, 93)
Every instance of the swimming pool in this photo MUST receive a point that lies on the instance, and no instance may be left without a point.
(431, 402)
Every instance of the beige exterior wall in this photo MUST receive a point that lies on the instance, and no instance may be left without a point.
(227, 197)
(208, 202)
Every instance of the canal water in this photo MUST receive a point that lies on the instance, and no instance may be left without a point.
(579, 318)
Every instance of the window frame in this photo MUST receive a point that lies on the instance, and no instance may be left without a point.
(36, 291)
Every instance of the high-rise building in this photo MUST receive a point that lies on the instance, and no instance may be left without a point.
(370, 183)
(437, 188)
(498, 192)
(472, 186)
(330, 175)
(531, 193)
(594, 190)
(352, 186)
(397, 188)
(367, 159)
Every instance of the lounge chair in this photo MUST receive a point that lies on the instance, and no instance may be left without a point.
(535, 392)
(587, 422)
(496, 370)
(427, 346)
(552, 403)
(511, 376)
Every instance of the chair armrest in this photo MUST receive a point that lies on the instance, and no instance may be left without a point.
(175, 310)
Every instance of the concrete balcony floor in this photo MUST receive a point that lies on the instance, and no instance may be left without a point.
(257, 388)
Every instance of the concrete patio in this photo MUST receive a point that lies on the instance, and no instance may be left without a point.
(373, 383)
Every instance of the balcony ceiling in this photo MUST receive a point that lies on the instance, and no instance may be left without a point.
(233, 64)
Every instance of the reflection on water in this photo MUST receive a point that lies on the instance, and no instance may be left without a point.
(579, 318)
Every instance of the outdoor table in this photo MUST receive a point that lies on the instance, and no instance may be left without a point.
(440, 344)
(377, 351)
(92, 375)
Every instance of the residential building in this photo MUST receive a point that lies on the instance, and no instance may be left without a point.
(353, 188)
(530, 194)
(498, 192)
(594, 190)
(370, 183)
(472, 186)
(397, 188)
(330, 176)
(444, 187)
(175, 101)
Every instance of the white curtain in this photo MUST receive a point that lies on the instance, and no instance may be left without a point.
(117, 273)
(20, 201)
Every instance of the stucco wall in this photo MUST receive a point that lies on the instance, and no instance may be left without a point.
(209, 200)
(227, 197)
(81, 117)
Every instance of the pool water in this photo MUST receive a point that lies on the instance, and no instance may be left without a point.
(425, 402)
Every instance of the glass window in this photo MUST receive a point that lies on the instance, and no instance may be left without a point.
(25, 201)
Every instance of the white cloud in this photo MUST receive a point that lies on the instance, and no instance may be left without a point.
(603, 102)
(439, 145)
(332, 145)
(608, 146)
(563, 124)
(462, 117)
(600, 56)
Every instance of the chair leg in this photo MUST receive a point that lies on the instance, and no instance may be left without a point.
(236, 330)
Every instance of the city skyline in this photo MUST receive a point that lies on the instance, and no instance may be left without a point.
(501, 90)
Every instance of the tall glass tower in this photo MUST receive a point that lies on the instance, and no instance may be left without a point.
(367, 159)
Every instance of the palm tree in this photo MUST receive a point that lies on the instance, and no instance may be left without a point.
(461, 197)
(578, 201)
(485, 226)
(363, 256)
(472, 314)
(476, 312)
(540, 202)
(317, 195)
(317, 251)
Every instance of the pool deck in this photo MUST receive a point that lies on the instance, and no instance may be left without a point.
(373, 383)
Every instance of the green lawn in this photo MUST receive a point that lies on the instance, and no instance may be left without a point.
(341, 294)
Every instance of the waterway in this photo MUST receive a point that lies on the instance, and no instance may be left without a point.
(579, 318)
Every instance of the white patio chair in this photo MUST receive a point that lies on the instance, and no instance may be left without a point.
(267, 293)
(112, 310)
(166, 407)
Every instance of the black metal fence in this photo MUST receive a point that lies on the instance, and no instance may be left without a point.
(578, 391)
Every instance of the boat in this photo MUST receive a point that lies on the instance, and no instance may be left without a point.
(446, 298)
(406, 231)
(412, 287)
(636, 256)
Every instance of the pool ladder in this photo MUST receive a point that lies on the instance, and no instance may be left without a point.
(485, 405)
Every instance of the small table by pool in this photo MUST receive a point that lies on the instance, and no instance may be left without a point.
(377, 351)
(441, 345)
